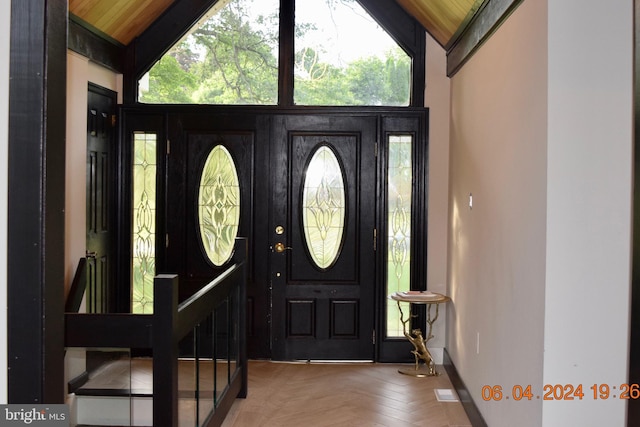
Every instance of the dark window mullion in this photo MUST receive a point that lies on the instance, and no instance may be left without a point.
(286, 53)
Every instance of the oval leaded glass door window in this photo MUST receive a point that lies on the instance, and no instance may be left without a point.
(219, 205)
(323, 207)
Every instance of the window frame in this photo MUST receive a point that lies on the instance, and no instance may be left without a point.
(151, 45)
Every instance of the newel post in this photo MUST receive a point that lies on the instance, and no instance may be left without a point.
(241, 256)
(165, 350)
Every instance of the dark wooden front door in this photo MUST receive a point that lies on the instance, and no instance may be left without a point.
(297, 309)
(100, 131)
(323, 310)
(192, 140)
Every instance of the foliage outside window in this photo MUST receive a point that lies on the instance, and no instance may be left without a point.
(228, 58)
(343, 57)
(231, 57)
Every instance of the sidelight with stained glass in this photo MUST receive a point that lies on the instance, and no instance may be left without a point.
(143, 222)
(399, 188)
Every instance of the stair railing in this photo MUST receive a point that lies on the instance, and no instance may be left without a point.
(163, 331)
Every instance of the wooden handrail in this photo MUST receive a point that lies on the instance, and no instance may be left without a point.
(163, 330)
(78, 287)
(195, 308)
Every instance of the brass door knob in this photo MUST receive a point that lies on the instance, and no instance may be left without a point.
(279, 247)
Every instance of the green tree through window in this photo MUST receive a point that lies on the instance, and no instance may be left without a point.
(231, 58)
(227, 59)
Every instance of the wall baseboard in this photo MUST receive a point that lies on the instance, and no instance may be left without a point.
(474, 415)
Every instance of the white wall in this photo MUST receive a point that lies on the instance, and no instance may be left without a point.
(497, 247)
(5, 26)
(437, 96)
(588, 205)
(541, 134)
(76, 161)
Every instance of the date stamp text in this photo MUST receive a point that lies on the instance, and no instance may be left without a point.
(561, 392)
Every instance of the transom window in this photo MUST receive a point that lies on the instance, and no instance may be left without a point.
(341, 57)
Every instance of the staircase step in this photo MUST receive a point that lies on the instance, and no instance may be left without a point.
(119, 393)
(113, 410)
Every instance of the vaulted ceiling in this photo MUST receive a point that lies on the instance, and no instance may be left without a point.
(443, 19)
(124, 20)
(459, 26)
(121, 20)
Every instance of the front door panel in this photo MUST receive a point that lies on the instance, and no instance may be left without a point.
(186, 242)
(323, 272)
(245, 138)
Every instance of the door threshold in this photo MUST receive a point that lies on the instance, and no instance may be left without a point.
(322, 361)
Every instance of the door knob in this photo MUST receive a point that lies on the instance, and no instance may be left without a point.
(279, 247)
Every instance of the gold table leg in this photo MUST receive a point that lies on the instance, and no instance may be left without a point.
(420, 351)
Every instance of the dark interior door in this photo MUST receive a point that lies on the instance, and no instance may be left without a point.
(322, 267)
(100, 131)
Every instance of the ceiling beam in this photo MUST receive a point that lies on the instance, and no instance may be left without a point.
(95, 45)
(484, 23)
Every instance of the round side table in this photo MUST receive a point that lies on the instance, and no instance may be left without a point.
(420, 351)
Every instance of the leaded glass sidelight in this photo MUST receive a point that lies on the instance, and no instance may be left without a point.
(219, 205)
(143, 263)
(399, 188)
(323, 207)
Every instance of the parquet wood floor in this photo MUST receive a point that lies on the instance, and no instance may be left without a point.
(342, 395)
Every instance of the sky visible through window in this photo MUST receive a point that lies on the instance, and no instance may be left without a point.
(344, 30)
(342, 57)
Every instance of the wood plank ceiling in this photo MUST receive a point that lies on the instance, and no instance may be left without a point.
(443, 19)
(124, 20)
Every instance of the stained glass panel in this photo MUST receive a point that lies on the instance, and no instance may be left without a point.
(219, 205)
(143, 222)
(323, 207)
(399, 177)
